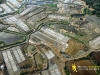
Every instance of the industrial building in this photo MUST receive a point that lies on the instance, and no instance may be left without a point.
(52, 37)
(17, 22)
(11, 6)
(95, 43)
(49, 54)
(12, 58)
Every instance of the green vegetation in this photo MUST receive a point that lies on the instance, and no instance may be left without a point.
(98, 69)
(77, 15)
(87, 11)
(63, 22)
(13, 13)
(24, 73)
(2, 43)
(16, 33)
(52, 5)
(1, 1)
(40, 61)
(78, 38)
(95, 4)
(41, 57)
(31, 49)
(22, 8)
(1, 22)
(67, 71)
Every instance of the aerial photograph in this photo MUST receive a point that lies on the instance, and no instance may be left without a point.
(49, 37)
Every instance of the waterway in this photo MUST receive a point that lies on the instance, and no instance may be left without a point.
(8, 38)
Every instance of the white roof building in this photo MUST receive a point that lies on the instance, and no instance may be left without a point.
(18, 22)
(11, 6)
(95, 43)
(67, 1)
(13, 29)
(6, 8)
(12, 58)
(49, 54)
(52, 37)
(9, 61)
(55, 72)
(15, 3)
(18, 54)
(58, 17)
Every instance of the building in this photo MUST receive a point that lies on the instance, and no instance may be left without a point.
(19, 23)
(58, 17)
(53, 70)
(67, 1)
(11, 6)
(54, 38)
(12, 58)
(95, 43)
(49, 54)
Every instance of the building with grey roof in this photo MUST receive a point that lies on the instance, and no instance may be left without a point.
(19, 23)
(49, 54)
(10, 6)
(12, 57)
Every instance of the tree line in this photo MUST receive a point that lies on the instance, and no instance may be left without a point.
(1, 1)
(95, 4)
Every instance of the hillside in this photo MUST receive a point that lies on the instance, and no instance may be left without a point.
(95, 4)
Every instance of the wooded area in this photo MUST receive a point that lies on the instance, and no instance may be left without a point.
(1, 1)
(95, 4)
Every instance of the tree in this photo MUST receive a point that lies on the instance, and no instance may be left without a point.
(95, 4)
(1, 1)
